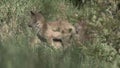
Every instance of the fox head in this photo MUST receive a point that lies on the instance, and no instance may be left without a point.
(37, 19)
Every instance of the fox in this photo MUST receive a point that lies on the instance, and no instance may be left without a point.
(43, 30)
(51, 32)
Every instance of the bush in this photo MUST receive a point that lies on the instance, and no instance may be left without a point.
(19, 47)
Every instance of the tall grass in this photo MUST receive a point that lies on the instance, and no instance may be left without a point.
(19, 47)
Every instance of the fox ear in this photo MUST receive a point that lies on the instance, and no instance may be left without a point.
(32, 13)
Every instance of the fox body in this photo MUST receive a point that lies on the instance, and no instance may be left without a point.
(51, 32)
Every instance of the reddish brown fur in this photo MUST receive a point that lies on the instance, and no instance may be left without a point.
(51, 30)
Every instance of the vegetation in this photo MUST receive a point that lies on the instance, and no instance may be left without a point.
(20, 48)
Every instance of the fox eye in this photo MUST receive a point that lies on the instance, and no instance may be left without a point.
(70, 30)
(76, 32)
(63, 31)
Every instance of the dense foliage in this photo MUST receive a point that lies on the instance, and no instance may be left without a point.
(20, 48)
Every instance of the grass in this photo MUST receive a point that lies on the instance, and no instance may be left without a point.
(20, 48)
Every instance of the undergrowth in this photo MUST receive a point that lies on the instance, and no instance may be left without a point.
(20, 47)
